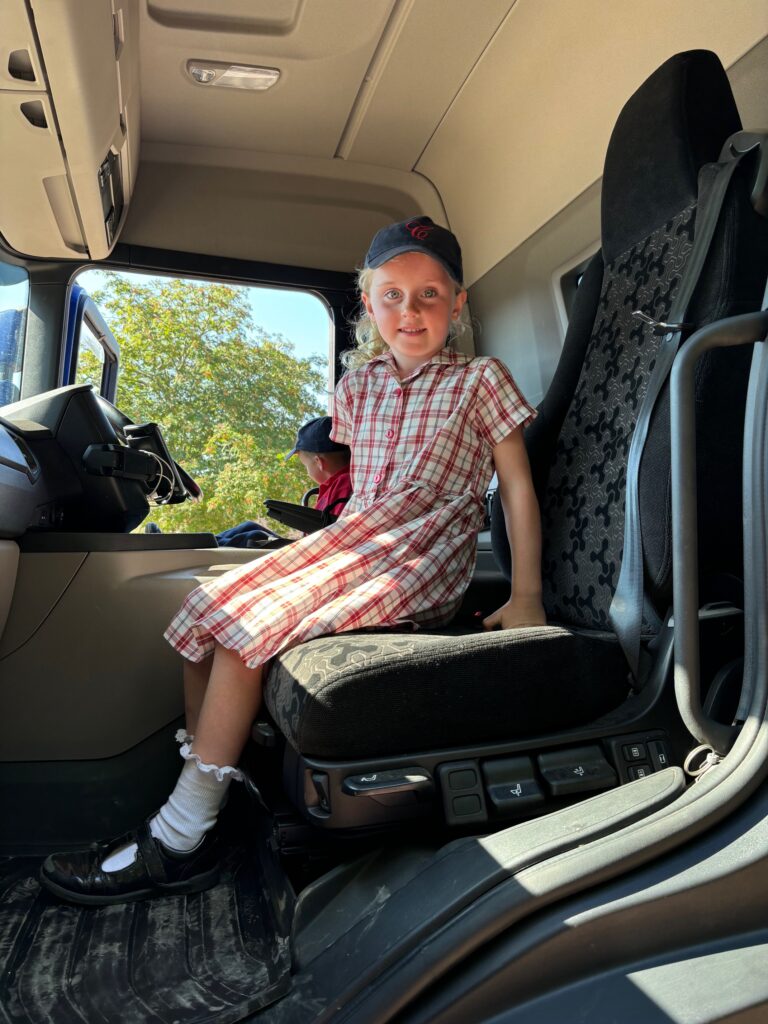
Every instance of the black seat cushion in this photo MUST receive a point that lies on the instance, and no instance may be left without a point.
(360, 695)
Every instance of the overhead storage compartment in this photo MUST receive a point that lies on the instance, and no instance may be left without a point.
(69, 119)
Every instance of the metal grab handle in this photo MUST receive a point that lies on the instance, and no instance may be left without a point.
(738, 330)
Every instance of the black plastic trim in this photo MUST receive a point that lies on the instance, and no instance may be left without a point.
(55, 541)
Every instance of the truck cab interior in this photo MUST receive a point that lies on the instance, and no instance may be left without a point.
(560, 822)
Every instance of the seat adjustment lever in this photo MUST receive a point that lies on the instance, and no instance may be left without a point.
(393, 780)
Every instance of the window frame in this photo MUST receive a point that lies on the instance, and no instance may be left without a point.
(82, 309)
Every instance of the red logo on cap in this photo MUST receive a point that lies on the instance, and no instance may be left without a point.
(418, 231)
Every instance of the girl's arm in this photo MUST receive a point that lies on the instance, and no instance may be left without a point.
(521, 511)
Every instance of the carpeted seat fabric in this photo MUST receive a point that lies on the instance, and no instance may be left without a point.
(376, 694)
(394, 693)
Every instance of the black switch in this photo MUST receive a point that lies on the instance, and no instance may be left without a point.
(639, 771)
(634, 752)
(659, 755)
(462, 791)
(580, 770)
(512, 784)
(465, 778)
(467, 805)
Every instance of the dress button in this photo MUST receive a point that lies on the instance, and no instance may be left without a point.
(390, 433)
(377, 478)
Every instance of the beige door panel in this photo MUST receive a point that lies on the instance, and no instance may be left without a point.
(84, 669)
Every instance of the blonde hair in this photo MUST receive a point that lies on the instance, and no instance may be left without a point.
(369, 342)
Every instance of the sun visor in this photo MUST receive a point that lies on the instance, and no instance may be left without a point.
(69, 120)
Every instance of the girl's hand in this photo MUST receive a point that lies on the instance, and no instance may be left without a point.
(516, 613)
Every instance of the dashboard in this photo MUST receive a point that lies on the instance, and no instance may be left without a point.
(71, 461)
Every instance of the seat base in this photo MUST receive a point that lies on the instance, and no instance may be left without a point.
(379, 694)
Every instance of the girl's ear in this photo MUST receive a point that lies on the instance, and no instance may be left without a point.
(367, 303)
(458, 305)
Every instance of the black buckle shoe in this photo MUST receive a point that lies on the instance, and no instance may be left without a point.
(157, 871)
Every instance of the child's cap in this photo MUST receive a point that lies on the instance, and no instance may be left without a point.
(315, 436)
(419, 234)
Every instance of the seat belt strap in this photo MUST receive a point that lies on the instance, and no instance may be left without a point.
(629, 603)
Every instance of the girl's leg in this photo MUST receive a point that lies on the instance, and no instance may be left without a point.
(231, 702)
(230, 699)
(196, 675)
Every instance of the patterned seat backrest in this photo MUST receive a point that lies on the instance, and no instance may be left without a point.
(660, 155)
(583, 506)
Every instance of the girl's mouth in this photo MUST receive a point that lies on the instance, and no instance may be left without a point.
(412, 330)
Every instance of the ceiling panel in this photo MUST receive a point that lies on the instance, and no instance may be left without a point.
(323, 58)
(439, 42)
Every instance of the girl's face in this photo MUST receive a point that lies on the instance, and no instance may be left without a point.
(412, 301)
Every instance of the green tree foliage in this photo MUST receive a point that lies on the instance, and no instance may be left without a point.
(228, 396)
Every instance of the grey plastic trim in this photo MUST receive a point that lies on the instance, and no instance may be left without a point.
(740, 330)
(465, 873)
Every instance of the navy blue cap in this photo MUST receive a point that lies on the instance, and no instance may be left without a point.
(419, 234)
(315, 436)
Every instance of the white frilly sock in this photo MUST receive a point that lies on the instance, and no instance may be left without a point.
(190, 811)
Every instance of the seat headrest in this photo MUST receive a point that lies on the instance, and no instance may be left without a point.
(677, 121)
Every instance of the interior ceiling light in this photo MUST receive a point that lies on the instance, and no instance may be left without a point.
(233, 76)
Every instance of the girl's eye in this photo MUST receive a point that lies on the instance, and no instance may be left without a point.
(430, 293)
(391, 293)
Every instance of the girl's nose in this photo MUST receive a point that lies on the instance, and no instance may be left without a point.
(411, 306)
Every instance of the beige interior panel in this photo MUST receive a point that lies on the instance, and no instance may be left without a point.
(408, 90)
(40, 584)
(322, 62)
(126, 14)
(282, 210)
(16, 38)
(528, 131)
(749, 80)
(268, 17)
(77, 40)
(54, 230)
(95, 676)
(9, 562)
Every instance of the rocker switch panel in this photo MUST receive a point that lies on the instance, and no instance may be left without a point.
(462, 788)
(579, 770)
(512, 784)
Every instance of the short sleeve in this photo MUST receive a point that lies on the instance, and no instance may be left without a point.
(341, 431)
(501, 407)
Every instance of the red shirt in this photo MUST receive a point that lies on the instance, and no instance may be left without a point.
(335, 492)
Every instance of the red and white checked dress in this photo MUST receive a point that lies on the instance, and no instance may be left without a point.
(403, 549)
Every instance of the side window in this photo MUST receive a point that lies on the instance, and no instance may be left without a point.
(229, 372)
(566, 280)
(14, 300)
(569, 284)
(91, 358)
(91, 352)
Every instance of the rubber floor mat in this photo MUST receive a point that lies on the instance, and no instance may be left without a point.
(213, 956)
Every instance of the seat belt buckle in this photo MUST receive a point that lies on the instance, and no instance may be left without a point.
(659, 326)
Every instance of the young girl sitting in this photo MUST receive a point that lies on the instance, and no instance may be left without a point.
(426, 426)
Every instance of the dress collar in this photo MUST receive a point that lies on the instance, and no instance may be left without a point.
(445, 356)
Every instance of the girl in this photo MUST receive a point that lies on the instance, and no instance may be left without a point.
(426, 426)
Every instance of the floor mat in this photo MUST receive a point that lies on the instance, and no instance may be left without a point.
(213, 956)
